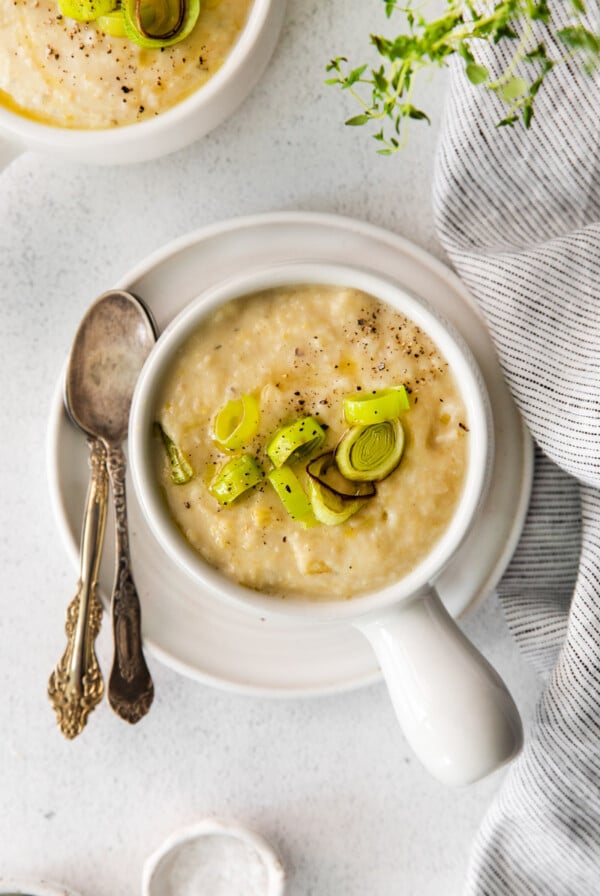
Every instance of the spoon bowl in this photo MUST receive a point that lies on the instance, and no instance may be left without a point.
(112, 343)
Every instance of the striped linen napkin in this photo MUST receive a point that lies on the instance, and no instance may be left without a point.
(519, 215)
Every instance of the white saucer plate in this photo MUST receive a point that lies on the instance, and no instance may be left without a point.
(228, 646)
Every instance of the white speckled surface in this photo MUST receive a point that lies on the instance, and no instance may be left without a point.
(330, 782)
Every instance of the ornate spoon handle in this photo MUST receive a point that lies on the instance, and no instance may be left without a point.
(130, 687)
(76, 687)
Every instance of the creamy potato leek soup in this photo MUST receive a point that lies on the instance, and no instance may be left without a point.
(311, 441)
(73, 74)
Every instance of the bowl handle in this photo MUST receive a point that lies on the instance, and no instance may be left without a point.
(8, 152)
(453, 707)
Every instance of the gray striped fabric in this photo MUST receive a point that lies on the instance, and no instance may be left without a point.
(519, 214)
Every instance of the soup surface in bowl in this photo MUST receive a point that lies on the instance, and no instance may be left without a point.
(300, 351)
(69, 74)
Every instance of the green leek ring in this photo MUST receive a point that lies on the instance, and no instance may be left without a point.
(325, 469)
(86, 10)
(378, 406)
(236, 423)
(234, 478)
(173, 30)
(180, 469)
(371, 453)
(291, 494)
(112, 24)
(331, 506)
(295, 441)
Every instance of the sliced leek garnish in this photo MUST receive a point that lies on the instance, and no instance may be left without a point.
(86, 10)
(237, 422)
(370, 453)
(148, 23)
(363, 409)
(295, 441)
(161, 24)
(180, 469)
(325, 470)
(331, 505)
(112, 24)
(235, 478)
(291, 494)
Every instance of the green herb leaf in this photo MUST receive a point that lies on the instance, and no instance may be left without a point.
(357, 120)
(505, 31)
(580, 38)
(336, 64)
(508, 122)
(514, 89)
(354, 75)
(464, 51)
(541, 12)
(477, 74)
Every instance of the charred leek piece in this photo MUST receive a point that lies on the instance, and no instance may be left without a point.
(237, 422)
(325, 470)
(112, 23)
(330, 505)
(375, 407)
(370, 453)
(86, 10)
(290, 492)
(181, 471)
(161, 23)
(235, 478)
(295, 441)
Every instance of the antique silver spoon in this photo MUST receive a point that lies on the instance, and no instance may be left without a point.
(110, 347)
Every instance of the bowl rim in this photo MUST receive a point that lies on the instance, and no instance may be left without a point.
(147, 489)
(28, 887)
(28, 130)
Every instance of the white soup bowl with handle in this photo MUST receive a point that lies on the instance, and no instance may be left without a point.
(454, 709)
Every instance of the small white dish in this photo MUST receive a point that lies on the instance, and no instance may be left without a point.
(229, 646)
(214, 858)
(12, 887)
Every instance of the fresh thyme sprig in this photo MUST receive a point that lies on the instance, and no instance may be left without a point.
(464, 24)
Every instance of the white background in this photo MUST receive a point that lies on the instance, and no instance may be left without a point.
(329, 781)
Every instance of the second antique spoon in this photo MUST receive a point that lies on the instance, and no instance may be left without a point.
(113, 341)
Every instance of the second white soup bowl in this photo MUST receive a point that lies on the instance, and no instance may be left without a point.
(453, 707)
(170, 130)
